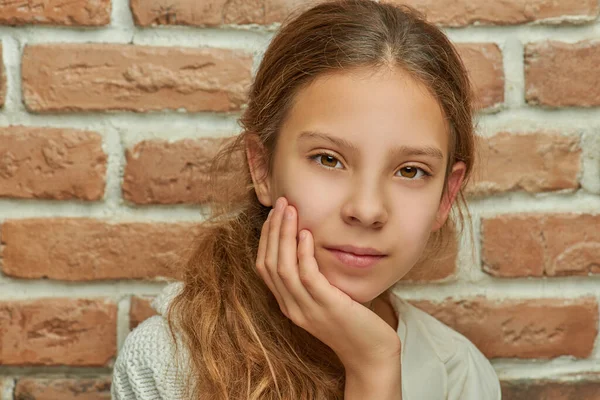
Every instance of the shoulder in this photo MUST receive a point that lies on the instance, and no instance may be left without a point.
(468, 373)
(148, 365)
(145, 343)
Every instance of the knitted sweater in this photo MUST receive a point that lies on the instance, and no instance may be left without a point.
(437, 362)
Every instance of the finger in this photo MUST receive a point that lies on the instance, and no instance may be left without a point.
(287, 266)
(260, 257)
(308, 271)
(272, 253)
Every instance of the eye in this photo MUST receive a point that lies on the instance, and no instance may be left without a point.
(413, 173)
(326, 160)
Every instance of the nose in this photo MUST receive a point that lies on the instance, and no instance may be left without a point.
(365, 206)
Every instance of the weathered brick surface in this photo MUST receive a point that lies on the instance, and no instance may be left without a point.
(455, 13)
(214, 12)
(551, 245)
(51, 163)
(55, 12)
(579, 388)
(64, 164)
(63, 389)
(98, 77)
(140, 310)
(561, 74)
(538, 328)
(536, 162)
(484, 61)
(167, 173)
(507, 12)
(58, 331)
(2, 79)
(81, 249)
(484, 64)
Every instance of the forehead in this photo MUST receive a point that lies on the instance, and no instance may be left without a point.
(370, 107)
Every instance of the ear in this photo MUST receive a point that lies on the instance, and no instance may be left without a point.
(256, 156)
(455, 180)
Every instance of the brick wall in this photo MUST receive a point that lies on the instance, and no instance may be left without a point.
(110, 112)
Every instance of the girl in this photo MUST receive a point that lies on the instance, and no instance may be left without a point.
(357, 139)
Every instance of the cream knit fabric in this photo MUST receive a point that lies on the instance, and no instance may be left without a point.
(437, 362)
(145, 368)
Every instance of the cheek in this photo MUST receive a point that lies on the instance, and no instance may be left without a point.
(428, 213)
(313, 210)
(417, 217)
(426, 204)
(315, 198)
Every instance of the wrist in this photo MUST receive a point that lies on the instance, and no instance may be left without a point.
(383, 382)
(390, 355)
(366, 372)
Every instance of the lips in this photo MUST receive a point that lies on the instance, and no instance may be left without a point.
(358, 257)
(359, 251)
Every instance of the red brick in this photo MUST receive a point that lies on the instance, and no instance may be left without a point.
(214, 12)
(140, 310)
(58, 331)
(585, 388)
(485, 66)
(81, 249)
(507, 12)
(64, 389)
(537, 328)
(562, 74)
(2, 79)
(456, 13)
(99, 77)
(51, 163)
(551, 245)
(536, 162)
(56, 12)
(160, 172)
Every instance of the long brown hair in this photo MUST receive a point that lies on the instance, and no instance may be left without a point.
(241, 346)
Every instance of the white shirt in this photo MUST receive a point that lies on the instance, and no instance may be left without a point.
(438, 363)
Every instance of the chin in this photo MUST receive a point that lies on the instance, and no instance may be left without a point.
(357, 290)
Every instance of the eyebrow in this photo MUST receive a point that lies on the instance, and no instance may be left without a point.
(428, 151)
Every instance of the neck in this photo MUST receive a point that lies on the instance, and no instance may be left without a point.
(383, 308)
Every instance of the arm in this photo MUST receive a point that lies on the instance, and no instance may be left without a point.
(382, 383)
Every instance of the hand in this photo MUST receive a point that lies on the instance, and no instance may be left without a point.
(359, 337)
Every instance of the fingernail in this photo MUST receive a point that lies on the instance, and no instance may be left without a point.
(279, 204)
(302, 235)
(270, 213)
(289, 213)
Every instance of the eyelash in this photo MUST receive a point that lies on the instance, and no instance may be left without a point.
(315, 157)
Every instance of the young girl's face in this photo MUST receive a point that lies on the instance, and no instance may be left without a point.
(362, 156)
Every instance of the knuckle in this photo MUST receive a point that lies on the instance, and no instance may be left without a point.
(304, 278)
(283, 274)
(268, 264)
(301, 252)
(282, 233)
(299, 319)
(262, 272)
(284, 310)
